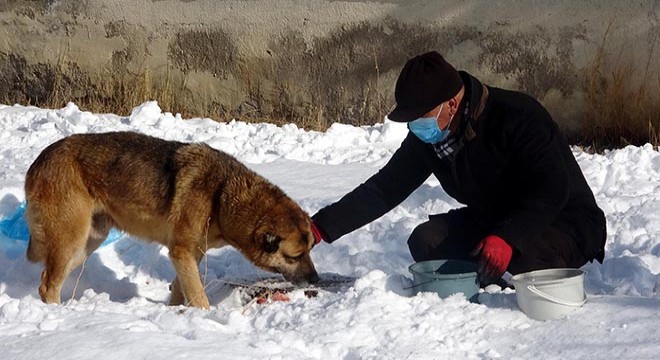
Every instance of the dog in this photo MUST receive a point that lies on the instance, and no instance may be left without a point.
(186, 196)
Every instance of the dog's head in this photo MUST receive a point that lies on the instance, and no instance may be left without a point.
(283, 240)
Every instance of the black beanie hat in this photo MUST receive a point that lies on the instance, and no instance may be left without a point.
(425, 82)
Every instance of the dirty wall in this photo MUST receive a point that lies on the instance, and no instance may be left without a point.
(314, 62)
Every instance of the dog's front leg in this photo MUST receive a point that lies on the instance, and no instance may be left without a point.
(187, 277)
(176, 294)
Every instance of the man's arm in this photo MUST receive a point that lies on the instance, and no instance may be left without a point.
(392, 184)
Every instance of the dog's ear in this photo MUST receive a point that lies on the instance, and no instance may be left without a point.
(271, 242)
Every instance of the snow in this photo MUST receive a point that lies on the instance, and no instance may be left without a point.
(119, 306)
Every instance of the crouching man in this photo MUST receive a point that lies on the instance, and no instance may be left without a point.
(528, 205)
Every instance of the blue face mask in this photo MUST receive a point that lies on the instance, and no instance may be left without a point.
(427, 130)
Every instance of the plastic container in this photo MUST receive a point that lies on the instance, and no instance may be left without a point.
(446, 277)
(549, 294)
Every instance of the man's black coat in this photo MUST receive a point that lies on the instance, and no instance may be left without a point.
(514, 168)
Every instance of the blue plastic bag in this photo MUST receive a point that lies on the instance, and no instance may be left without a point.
(15, 227)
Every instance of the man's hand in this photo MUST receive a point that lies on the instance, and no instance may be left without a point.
(317, 234)
(495, 257)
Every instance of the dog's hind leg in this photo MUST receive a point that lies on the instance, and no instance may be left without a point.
(66, 236)
(101, 225)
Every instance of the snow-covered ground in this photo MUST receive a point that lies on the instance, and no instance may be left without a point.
(119, 307)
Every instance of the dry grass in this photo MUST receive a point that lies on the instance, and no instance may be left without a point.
(347, 77)
(109, 91)
(622, 101)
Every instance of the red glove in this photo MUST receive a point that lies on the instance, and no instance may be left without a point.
(317, 234)
(495, 256)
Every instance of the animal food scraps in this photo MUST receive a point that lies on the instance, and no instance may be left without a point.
(266, 295)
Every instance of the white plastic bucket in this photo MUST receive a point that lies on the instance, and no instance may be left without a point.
(549, 294)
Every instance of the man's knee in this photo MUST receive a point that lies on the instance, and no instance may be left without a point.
(418, 245)
(552, 248)
(425, 239)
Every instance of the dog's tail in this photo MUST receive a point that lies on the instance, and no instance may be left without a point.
(35, 247)
(31, 254)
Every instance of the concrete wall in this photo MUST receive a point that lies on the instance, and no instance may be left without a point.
(323, 60)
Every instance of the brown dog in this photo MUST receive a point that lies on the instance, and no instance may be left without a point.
(188, 197)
